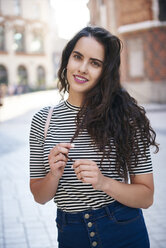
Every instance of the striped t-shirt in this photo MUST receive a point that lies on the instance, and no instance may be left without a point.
(72, 195)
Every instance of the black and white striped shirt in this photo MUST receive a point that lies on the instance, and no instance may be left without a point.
(72, 195)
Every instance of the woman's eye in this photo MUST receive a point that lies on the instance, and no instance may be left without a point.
(76, 56)
(94, 63)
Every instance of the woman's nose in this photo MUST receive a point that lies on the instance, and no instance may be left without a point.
(83, 68)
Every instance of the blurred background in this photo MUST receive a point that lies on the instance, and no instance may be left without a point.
(33, 34)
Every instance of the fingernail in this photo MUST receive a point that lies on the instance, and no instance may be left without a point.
(72, 145)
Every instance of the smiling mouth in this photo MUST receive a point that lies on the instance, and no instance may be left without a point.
(80, 80)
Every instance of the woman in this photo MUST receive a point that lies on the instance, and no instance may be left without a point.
(95, 161)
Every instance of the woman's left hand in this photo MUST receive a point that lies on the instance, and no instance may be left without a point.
(88, 172)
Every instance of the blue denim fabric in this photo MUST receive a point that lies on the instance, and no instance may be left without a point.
(114, 226)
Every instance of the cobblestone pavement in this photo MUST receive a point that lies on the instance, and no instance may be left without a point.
(23, 223)
(26, 224)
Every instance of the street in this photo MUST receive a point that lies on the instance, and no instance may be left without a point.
(26, 224)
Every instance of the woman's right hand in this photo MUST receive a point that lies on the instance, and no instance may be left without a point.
(58, 158)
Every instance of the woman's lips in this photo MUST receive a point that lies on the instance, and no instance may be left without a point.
(80, 79)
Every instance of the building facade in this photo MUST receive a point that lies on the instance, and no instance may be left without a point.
(141, 25)
(25, 49)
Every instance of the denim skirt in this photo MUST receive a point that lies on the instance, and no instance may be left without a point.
(112, 226)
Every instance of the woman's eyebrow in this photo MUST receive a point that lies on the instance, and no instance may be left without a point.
(94, 59)
(78, 53)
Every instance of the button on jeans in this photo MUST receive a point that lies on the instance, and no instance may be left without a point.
(113, 226)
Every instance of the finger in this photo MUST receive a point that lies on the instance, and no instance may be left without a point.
(61, 157)
(84, 174)
(67, 145)
(61, 148)
(88, 180)
(83, 167)
(55, 159)
(57, 165)
(58, 149)
(83, 162)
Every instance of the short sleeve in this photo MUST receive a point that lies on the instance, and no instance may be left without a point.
(144, 165)
(36, 142)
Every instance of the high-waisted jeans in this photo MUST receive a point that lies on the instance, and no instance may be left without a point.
(113, 226)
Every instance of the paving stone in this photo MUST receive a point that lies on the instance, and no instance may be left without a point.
(16, 240)
(17, 245)
(1, 242)
(162, 243)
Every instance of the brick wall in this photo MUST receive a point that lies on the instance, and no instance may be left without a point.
(93, 6)
(133, 11)
(155, 54)
(154, 47)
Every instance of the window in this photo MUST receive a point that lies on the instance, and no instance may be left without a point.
(36, 11)
(41, 77)
(103, 15)
(2, 38)
(136, 57)
(19, 41)
(22, 75)
(162, 10)
(101, 2)
(37, 43)
(17, 7)
(0, 6)
(3, 75)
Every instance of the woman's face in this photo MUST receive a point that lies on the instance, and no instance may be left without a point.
(84, 66)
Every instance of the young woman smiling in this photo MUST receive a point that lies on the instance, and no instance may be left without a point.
(95, 160)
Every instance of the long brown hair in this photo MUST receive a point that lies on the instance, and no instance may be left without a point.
(108, 111)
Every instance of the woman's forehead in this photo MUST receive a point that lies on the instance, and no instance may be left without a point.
(90, 47)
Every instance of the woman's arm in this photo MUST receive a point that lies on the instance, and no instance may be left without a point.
(44, 189)
(138, 194)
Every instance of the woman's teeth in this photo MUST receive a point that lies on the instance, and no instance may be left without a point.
(80, 79)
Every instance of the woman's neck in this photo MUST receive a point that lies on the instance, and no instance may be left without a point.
(75, 100)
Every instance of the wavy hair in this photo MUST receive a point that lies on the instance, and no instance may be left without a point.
(108, 111)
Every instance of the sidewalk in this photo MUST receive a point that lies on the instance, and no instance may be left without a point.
(23, 222)
(19, 104)
(26, 224)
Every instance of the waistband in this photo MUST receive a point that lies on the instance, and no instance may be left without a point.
(90, 214)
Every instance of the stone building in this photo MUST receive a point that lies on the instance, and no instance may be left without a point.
(141, 25)
(25, 49)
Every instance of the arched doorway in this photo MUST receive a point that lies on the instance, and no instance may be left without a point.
(3, 83)
(22, 75)
(22, 79)
(3, 75)
(41, 77)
